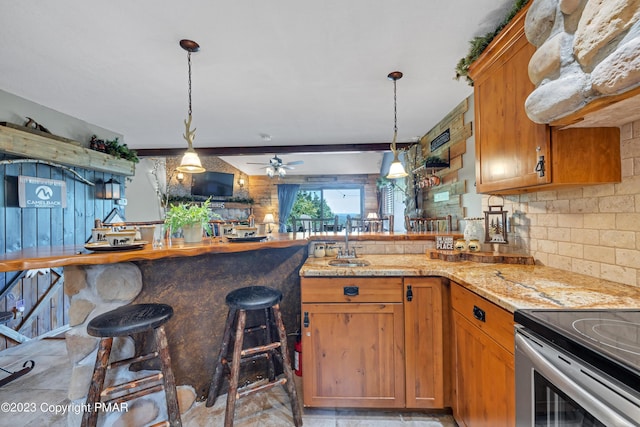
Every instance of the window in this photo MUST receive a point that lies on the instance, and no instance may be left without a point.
(329, 202)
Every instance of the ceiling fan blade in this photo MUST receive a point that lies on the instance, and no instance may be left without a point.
(261, 164)
(287, 167)
(295, 162)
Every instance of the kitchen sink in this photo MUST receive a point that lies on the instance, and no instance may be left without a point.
(349, 262)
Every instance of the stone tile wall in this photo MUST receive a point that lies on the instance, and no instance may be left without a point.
(594, 230)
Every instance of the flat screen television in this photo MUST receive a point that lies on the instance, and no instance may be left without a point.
(212, 184)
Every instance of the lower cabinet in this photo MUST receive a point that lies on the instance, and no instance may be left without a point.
(484, 361)
(372, 342)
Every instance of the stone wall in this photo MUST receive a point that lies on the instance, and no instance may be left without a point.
(586, 50)
(594, 230)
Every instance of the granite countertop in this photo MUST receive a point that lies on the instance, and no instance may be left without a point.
(510, 286)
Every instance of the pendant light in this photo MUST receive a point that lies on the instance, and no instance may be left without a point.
(190, 162)
(396, 170)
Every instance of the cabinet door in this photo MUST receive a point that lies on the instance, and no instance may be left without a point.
(423, 342)
(353, 355)
(485, 379)
(507, 141)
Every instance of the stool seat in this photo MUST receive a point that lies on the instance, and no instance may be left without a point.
(5, 316)
(129, 319)
(253, 298)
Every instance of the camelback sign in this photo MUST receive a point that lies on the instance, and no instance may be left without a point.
(41, 192)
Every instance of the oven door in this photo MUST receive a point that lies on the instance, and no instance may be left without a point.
(555, 389)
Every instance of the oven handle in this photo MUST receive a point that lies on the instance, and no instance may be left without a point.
(592, 405)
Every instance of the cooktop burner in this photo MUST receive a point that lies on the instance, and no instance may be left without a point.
(606, 339)
(620, 335)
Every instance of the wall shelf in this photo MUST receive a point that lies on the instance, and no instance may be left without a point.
(36, 146)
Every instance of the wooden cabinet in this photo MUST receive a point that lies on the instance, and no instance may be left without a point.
(484, 361)
(423, 340)
(509, 145)
(353, 342)
(365, 345)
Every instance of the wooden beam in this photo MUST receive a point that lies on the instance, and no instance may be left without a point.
(272, 149)
(29, 145)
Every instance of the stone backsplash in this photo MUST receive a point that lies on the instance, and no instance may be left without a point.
(586, 49)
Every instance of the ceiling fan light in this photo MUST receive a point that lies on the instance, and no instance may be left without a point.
(282, 172)
(270, 172)
(190, 162)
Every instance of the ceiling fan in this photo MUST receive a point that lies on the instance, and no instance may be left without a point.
(277, 167)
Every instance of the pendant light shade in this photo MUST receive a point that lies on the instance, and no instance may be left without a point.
(396, 170)
(190, 162)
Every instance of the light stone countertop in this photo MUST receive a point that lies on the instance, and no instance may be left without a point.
(510, 286)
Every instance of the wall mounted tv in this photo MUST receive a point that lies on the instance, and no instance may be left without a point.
(214, 184)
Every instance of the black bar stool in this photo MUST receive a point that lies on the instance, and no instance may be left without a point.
(123, 321)
(240, 301)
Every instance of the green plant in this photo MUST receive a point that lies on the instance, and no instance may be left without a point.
(187, 214)
(480, 43)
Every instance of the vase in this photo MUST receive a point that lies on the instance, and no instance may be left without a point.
(192, 233)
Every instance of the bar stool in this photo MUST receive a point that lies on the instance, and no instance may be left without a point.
(240, 301)
(123, 321)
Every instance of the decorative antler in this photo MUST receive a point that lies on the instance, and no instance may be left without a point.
(189, 134)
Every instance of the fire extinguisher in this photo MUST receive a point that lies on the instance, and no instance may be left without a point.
(297, 356)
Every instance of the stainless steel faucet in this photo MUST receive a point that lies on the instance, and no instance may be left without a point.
(347, 253)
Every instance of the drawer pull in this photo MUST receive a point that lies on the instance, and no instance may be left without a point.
(351, 291)
(479, 314)
(306, 319)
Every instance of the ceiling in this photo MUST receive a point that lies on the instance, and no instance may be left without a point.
(275, 73)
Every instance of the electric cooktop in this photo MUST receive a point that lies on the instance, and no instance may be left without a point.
(608, 340)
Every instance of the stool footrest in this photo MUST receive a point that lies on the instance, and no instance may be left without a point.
(135, 394)
(254, 357)
(250, 390)
(161, 424)
(138, 382)
(255, 329)
(132, 360)
(261, 349)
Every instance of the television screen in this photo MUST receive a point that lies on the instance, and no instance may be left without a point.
(216, 184)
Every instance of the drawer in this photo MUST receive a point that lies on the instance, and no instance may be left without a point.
(351, 289)
(493, 320)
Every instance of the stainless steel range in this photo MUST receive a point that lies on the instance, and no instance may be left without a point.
(577, 368)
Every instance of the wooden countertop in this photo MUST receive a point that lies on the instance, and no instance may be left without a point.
(47, 257)
(510, 286)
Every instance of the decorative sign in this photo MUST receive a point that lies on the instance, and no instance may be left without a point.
(441, 197)
(440, 140)
(41, 192)
(444, 243)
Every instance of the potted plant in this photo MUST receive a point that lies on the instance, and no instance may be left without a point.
(190, 218)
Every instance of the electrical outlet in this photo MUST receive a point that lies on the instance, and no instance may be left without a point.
(121, 202)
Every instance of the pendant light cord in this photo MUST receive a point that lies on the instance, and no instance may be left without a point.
(395, 111)
(189, 62)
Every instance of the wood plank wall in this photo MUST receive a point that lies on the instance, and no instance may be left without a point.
(32, 227)
(424, 197)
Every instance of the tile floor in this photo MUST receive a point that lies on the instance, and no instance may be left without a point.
(47, 384)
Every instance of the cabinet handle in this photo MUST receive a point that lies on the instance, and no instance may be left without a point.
(306, 319)
(540, 166)
(479, 314)
(351, 291)
(409, 293)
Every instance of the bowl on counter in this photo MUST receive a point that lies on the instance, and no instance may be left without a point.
(121, 238)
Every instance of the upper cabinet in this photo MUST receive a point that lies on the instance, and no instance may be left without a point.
(514, 154)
